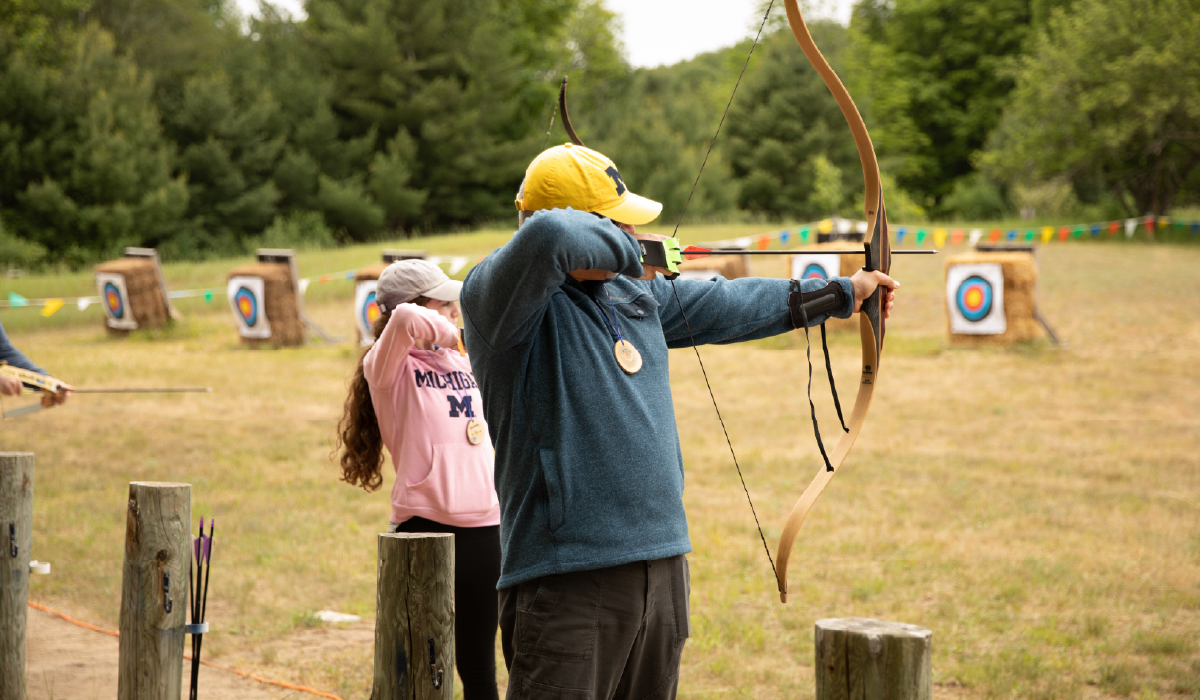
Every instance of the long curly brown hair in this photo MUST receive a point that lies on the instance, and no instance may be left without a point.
(358, 438)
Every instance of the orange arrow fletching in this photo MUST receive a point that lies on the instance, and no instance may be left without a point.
(695, 253)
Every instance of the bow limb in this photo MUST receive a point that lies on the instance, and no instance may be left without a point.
(871, 328)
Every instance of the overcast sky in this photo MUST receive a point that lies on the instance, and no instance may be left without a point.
(661, 32)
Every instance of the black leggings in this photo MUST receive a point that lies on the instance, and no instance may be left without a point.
(476, 570)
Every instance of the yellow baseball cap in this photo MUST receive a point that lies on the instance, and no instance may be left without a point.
(580, 178)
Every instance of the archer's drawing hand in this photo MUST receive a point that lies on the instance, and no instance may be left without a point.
(649, 272)
(865, 283)
(50, 398)
(10, 386)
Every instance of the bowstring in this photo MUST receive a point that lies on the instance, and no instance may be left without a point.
(679, 302)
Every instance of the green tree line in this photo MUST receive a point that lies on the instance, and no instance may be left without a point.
(181, 125)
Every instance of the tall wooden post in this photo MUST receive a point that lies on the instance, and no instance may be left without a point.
(414, 619)
(154, 591)
(863, 659)
(16, 538)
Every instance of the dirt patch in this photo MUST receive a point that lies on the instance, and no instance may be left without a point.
(66, 661)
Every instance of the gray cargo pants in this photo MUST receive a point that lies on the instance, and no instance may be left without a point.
(604, 634)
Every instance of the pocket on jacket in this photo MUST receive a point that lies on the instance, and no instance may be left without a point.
(459, 482)
(555, 492)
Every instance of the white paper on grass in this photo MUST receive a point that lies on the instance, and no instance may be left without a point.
(830, 264)
(362, 295)
(994, 323)
(331, 616)
(121, 318)
(258, 326)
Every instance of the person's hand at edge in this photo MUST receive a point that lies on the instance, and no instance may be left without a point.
(865, 283)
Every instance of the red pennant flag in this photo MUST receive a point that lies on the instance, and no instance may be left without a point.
(995, 235)
(1063, 233)
(956, 236)
(1113, 227)
(763, 242)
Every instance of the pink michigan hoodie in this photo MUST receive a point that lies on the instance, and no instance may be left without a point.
(423, 400)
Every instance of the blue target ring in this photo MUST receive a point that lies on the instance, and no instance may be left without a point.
(370, 310)
(247, 306)
(814, 271)
(113, 301)
(974, 298)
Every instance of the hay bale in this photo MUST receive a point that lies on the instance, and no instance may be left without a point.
(280, 304)
(1020, 298)
(148, 306)
(370, 272)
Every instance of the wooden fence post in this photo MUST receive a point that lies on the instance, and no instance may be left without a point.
(414, 619)
(16, 538)
(868, 659)
(154, 591)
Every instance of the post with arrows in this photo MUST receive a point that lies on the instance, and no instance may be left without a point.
(414, 619)
(202, 556)
(154, 591)
(16, 538)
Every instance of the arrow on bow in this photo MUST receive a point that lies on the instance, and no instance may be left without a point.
(50, 386)
(696, 252)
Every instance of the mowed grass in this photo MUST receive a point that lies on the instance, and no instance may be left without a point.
(1037, 507)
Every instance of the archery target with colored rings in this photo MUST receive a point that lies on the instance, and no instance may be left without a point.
(975, 299)
(815, 266)
(114, 297)
(246, 297)
(366, 311)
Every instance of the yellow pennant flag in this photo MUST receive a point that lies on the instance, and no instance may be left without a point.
(939, 237)
(52, 305)
(825, 226)
(1047, 234)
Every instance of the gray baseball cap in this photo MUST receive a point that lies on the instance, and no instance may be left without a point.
(405, 280)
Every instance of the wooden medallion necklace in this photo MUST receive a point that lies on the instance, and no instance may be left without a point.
(475, 429)
(628, 357)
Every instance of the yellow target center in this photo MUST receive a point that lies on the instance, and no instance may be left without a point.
(974, 298)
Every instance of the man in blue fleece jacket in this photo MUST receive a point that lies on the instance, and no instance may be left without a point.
(589, 472)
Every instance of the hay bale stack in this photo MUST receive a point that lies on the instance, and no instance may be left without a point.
(280, 304)
(731, 267)
(1020, 298)
(370, 272)
(146, 301)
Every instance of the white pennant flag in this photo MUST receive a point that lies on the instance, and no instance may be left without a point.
(976, 234)
(861, 226)
(83, 302)
(304, 285)
(458, 263)
(843, 225)
(1130, 227)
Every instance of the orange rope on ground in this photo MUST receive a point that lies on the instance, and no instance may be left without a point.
(244, 674)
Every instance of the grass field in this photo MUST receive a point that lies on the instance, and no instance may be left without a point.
(1037, 507)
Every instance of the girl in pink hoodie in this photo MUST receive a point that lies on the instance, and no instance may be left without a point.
(413, 392)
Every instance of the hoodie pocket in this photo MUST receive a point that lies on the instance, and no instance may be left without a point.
(555, 493)
(459, 483)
